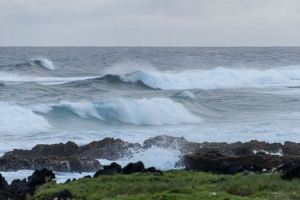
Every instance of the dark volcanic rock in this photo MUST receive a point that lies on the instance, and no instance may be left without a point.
(60, 164)
(212, 162)
(40, 177)
(111, 169)
(291, 148)
(133, 168)
(10, 162)
(265, 146)
(3, 183)
(45, 150)
(170, 142)
(108, 148)
(17, 186)
(63, 195)
(219, 163)
(215, 156)
(4, 195)
(83, 164)
(152, 170)
(292, 172)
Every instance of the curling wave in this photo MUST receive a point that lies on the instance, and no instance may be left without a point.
(155, 111)
(108, 81)
(45, 63)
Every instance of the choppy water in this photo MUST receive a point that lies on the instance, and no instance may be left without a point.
(51, 95)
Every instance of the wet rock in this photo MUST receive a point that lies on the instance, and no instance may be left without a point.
(291, 148)
(133, 168)
(45, 150)
(10, 162)
(170, 142)
(265, 146)
(109, 148)
(84, 164)
(74, 163)
(63, 195)
(219, 163)
(212, 162)
(55, 163)
(111, 169)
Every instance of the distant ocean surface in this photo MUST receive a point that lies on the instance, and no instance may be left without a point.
(82, 94)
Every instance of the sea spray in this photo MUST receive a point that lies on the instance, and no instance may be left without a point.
(15, 119)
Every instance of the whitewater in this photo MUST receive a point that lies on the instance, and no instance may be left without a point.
(84, 94)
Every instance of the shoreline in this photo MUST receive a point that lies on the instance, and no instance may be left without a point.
(70, 157)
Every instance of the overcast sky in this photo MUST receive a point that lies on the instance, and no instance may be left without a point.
(149, 22)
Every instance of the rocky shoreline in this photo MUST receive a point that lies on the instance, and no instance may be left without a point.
(221, 158)
(208, 157)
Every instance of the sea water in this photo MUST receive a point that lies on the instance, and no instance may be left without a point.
(83, 94)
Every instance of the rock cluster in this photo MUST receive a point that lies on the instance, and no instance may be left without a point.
(22, 189)
(217, 157)
(237, 157)
(25, 189)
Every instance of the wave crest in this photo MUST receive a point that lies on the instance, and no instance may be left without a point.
(218, 78)
(155, 111)
(42, 62)
(15, 119)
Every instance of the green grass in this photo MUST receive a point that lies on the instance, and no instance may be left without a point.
(179, 185)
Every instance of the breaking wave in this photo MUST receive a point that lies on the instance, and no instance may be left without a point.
(47, 64)
(155, 111)
(15, 119)
(218, 78)
(109, 81)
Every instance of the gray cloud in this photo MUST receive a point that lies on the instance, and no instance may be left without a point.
(150, 22)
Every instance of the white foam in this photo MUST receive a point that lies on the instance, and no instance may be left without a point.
(162, 159)
(279, 153)
(60, 177)
(15, 119)
(218, 78)
(13, 78)
(155, 111)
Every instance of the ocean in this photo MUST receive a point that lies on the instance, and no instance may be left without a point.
(217, 94)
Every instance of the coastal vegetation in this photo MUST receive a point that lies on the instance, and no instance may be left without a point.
(177, 184)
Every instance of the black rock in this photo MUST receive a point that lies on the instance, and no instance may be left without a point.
(3, 183)
(152, 170)
(28, 191)
(293, 172)
(17, 186)
(63, 195)
(7, 195)
(40, 177)
(113, 168)
(133, 168)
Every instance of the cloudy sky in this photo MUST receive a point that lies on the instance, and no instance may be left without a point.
(149, 23)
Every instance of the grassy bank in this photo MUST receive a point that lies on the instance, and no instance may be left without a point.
(177, 185)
